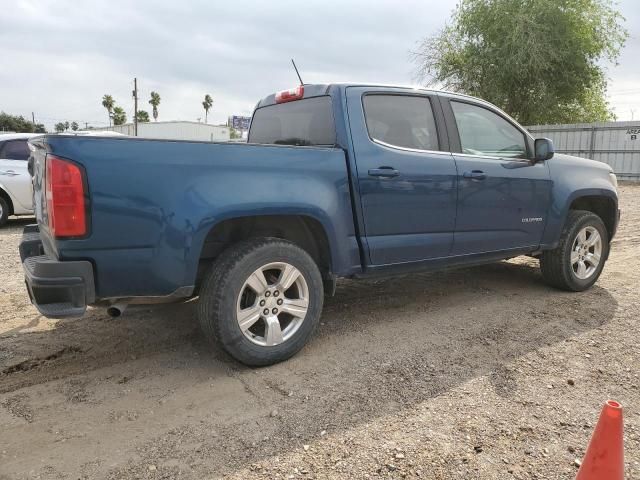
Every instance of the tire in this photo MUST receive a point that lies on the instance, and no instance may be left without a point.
(226, 297)
(559, 267)
(4, 211)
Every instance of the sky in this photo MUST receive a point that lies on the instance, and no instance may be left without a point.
(60, 57)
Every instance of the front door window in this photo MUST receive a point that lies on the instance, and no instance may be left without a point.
(482, 132)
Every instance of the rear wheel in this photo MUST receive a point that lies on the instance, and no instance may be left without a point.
(4, 211)
(261, 300)
(578, 260)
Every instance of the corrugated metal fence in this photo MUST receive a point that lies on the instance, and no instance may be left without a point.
(614, 143)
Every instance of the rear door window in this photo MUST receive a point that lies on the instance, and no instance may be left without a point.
(15, 150)
(306, 122)
(404, 121)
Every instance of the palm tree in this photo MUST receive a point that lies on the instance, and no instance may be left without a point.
(155, 101)
(108, 102)
(207, 104)
(119, 116)
(143, 116)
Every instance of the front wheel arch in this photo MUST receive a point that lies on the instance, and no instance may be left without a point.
(557, 265)
(603, 206)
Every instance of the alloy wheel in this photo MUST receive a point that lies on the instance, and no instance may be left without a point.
(272, 304)
(586, 252)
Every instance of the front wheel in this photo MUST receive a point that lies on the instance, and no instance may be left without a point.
(579, 258)
(4, 211)
(261, 300)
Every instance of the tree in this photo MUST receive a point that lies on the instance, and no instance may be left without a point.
(207, 104)
(18, 124)
(109, 103)
(234, 134)
(155, 101)
(59, 127)
(119, 116)
(74, 126)
(66, 125)
(143, 116)
(539, 60)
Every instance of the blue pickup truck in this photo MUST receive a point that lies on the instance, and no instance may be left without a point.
(340, 180)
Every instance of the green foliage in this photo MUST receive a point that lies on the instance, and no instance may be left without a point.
(207, 104)
(155, 101)
(119, 116)
(143, 116)
(74, 126)
(539, 60)
(18, 124)
(59, 127)
(109, 103)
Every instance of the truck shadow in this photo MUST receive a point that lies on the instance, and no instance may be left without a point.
(382, 346)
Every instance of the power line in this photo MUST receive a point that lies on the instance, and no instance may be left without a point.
(64, 119)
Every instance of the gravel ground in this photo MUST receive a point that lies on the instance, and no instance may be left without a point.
(481, 373)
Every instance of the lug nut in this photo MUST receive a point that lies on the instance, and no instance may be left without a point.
(267, 293)
(276, 293)
(266, 311)
(279, 302)
(274, 311)
(262, 303)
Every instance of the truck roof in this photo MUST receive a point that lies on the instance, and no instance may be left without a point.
(317, 89)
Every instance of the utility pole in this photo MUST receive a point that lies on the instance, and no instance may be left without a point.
(135, 106)
(86, 125)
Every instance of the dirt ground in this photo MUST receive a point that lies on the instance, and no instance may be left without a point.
(481, 373)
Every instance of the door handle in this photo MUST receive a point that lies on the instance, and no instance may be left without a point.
(475, 175)
(387, 172)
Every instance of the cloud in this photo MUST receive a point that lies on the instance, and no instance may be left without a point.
(64, 55)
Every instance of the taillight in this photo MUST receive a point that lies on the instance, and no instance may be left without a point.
(289, 95)
(65, 198)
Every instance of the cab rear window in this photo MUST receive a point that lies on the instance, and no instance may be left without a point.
(306, 122)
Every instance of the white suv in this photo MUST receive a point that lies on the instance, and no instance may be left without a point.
(16, 197)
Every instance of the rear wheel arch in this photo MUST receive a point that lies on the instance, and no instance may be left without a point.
(305, 231)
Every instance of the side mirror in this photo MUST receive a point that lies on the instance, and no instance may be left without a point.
(543, 149)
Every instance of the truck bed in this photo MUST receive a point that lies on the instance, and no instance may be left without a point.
(152, 203)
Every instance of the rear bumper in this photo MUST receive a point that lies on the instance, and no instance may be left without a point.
(58, 289)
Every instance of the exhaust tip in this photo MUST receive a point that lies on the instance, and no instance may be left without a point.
(116, 310)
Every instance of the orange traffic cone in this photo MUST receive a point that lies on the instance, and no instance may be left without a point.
(604, 459)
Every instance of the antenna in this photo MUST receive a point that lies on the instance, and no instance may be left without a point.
(297, 72)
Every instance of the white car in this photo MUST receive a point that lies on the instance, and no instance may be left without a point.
(16, 194)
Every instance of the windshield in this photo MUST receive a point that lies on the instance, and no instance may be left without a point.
(307, 122)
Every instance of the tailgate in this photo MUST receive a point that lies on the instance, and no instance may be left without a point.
(37, 169)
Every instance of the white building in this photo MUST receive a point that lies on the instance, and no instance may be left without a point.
(174, 130)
